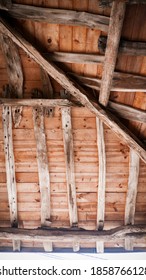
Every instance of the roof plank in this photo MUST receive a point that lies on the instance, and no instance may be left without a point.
(111, 121)
(114, 34)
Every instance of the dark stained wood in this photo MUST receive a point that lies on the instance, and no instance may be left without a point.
(126, 47)
(108, 3)
(5, 5)
(59, 16)
(38, 102)
(74, 89)
(69, 235)
(114, 34)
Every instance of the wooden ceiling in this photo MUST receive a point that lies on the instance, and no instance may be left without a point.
(72, 124)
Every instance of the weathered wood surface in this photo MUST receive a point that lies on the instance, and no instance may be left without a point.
(15, 74)
(111, 121)
(5, 5)
(102, 174)
(127, 112)
(47, 91)
(114, 34)
(125, 47)
(122, 82)
(129, 244)
(38, 102)
(134, 165)
(48, 246)
(100, 247)
(68, 235)
(74, 57)
(59, 16)
(69, 158)
(108, 3)
(76, 246)
(42, 159)
(16, 245)
(10, 164)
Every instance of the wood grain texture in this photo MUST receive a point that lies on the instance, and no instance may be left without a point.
(111, 121)
(59, 16)
(43, 170)
(69, 157)
(132, 188)
(38, 102)
(114, 34)
(68, 235)
(10, 164)
(69, 57)
(102, 174)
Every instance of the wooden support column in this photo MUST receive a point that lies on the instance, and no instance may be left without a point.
(100, 247)
(16, 245)
(134, 163)
(43, 169)
(77, 91)
(48, 247)
(114, 33)
(10, 164)
(69, 158)
(102, 174)
(48, 92)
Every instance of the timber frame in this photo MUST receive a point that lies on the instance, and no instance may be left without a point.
(76, 92)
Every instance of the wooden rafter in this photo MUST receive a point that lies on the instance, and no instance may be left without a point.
(74, 57)
(38, 102)
(114, 34)
(132, 188)
(58, 16)
(108, 3)
(69, 158)
(111, 121)
(69, 235)
(42, 159)
(102, 174)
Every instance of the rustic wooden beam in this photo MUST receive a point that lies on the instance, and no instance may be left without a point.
(43, 170)
(71, 86)
(5, 5)
(10, 164)
(122, 82)
(134, 164)
(108, 3)
(127, 112)
(47, 91)
(102, 174)
(125, 47)
(114, 34)
(16, 245)
(58, 16)
(38, 102)
(69, 235)
(15, 74)
(69, 158)
(74, 57)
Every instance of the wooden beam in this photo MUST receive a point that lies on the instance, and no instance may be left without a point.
(114, 34)
(16, 245)
(125, 47)
(127, 112)
(76, 246)
(108, 3)
(71, 86)
(74, 57)
(134, 164)
(10, 164)
(48, 246)
(5, 5)
(59, 16)
(42, 159)
(15, 74)
(100, 247)
(122, 82)
(70, 235)
(47, 91)
(38, 102)
(69, 158)
(128, 244)
(102, 174)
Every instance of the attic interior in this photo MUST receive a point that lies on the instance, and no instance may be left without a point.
(72, 125)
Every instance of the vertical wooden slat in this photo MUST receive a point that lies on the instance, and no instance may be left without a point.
(10, 164)
(76, 246)
(100, 247)
(69, 157)
(114, 33)
(42, 159)
(102, 174)
(16, 245)
(48, 247)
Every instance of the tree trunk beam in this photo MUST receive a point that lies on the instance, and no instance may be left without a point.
(114, 34)
(58, 16)
(74, 57)
(38, 102)
(71, 235)
(74, 89)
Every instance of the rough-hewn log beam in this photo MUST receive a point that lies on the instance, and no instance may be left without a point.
(74, 57)
(111, 121)
(125, 47)
(10, 164)
(42, 159)
(38, 102)
(102, 174)
(69, 158)
(59, 16)
(114, 34)
(134, 164)
(69, 235)
(108, 3)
